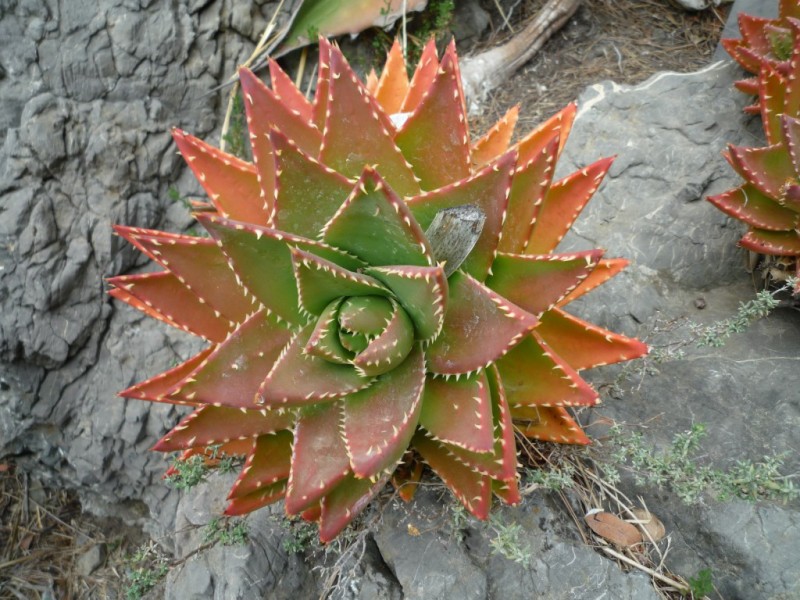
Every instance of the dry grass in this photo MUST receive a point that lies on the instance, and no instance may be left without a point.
(43, 534)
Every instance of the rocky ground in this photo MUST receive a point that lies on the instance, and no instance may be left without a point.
(88, 97)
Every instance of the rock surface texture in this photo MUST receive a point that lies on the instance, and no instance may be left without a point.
(88, 96)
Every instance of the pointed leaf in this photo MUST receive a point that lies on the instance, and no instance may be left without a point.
(768, 169)
(390, 348)
(605, 270)
(423, 77)
(421, 291)
(357, 132)
(307, 192)
(323, 82)
(165, 294)
(556, 127)
(267, 112)
(479, 327)
(319, 459)
(201, 266)
(393, 85)
(435, 139)
(501, 463)
(262, 260)
(771, 103)
(790, 129)
(529, 187)
(231, 183)
(507, 491)
(380, 421)
(779, 243)
(128, 298)
(755, 209)
(533, 375)
(583, 345)
(288, 93)
(377, 226)
(550, 424)
(324, 341)
(342, 505)
(232, 374)
(366, 314)
(210, 425)
(489, 191)
(320, 282)
(299, 379)
(267, 464)
(242, 505)
(155, 389)
(459, 412)
(537, 283)
(471, 488)
(495, 142)
(562, 205)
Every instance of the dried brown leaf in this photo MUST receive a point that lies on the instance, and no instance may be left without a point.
(613, 529)
(650, 523)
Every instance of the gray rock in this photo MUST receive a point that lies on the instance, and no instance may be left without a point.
(433, 560)
(259, 568)
(469, 21)
(91, 560)
(669, 132)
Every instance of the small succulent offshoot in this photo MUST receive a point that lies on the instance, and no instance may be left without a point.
(342, 350)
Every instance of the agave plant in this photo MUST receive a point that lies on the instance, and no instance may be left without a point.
(764, 42)
(348, 340)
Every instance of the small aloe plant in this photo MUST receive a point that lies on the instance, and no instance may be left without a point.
(769, 200)
(349, 338)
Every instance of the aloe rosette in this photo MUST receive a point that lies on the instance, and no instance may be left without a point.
(342, 350)
(764, 42)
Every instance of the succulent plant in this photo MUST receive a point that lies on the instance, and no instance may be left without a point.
(769, 200)
(764, 42)
(348, 340)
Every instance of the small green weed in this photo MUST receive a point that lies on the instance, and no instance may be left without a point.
(676, 467)
(716, 335)
(147, 567)
(508, 540)
(174, 195)
(188, 473)
(702, 584)
(300, 536)
(220, 531)
(227, 463)
(554, 478)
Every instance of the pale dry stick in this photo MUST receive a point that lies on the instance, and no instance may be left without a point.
(486, 71)
(311, 79)
(663, 578)
(298, 80)
(262, 43)
(504, 15)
